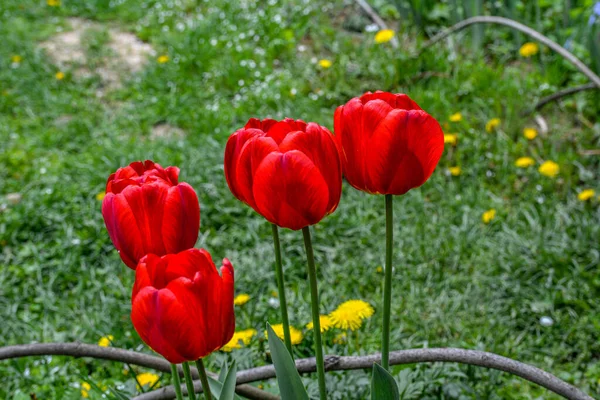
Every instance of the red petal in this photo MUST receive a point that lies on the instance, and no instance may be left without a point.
(352, 141)
(181, 219)
(123, 229)
(250, 158)
(234, 146)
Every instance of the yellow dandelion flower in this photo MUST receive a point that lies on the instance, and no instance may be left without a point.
(456, 117)
(16, 59)
(488, 216)
(529, 49)
(492, 124)
(163, 59)
(325, 322)
(384, 36)
(549, 169)
(341, 338)
(85, 390)
(238, 339)
(530, 133)
(324, 63)
(524, 162)
(241, 299)
(295, 334)
(586, 194)
(100, 196)
(451, 138)
(350, 314)
(59, 76)
(53, 3)
(147, 379)
(105, 341)
(379, 269)
(455, 171)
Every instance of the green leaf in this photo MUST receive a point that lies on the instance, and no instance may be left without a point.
(383, 385)
(216, 388)
(223, 372)
(288, 379)
(228, 391)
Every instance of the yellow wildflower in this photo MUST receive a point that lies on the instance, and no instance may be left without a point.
(530, 133)
(238, 339)
(379, 269)
(586, 194)
(324, 63)
(456, 117)
(105, 341)
(529, 49)
(163, 59)
(384, 36)
(100, 196)
(241, 299)
(85, 390)
(53, 3)
(524, 162)
(340, 338)
(147, 379)
(325, 322)
(451, 138)
(492, 124)
(350, 314)
(455, 171)
(295, 334)
(488, 216)
(549, 169)
(59, 76)
(16, 59)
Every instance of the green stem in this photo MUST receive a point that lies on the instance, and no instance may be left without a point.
(387, 286)
(203, 379)
(314, 297)
(189, 382)
(176, 382)
(281, 291)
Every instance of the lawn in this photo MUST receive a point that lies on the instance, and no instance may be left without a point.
(524, 285)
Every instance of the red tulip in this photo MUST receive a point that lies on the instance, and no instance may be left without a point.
(180, 305)
(387, 143)
(147, 211)
(288, 171)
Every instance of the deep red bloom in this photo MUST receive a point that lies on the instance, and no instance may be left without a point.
(387, 143)
(288, 171)
(147, 211)
(181, 307)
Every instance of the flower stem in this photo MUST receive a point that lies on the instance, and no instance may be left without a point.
(281, 291)
(176, 382)
(189, 381)
(314, 296)
(387, 286)
(203, 379)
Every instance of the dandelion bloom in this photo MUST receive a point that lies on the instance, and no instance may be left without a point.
(325, 323)
(530, 133)
(59, 76)
(16, 59)
(146, 210)
(181, 307)
(586, 194)
(241, 299)
(488, 216)
(492, 124)
(455, 171)
(100, 196)
(324, 63)
(85, 389)
(384, 36)
(549, 169)
(295, 333)
(105, 341)
(288, 171)
(147, 380)
(451, 139)
(524, 162)
(163, 59)
(387, 143)
(53, 3)
(238, 339)
(529, 49)
(350, 314)
(456, 117)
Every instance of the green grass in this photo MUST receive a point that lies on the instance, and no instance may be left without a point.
(458, 282)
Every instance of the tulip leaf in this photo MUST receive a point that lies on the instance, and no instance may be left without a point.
(223, 372)
(228, 391)
(288, 378)
(383, 385)
(216, 388)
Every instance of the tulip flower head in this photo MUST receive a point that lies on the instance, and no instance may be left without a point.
(387, 143)
(146, 211)
(288, 171)
(181, 307)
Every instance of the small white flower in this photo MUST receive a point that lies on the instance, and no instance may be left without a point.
(546, 321)
(273, 302)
